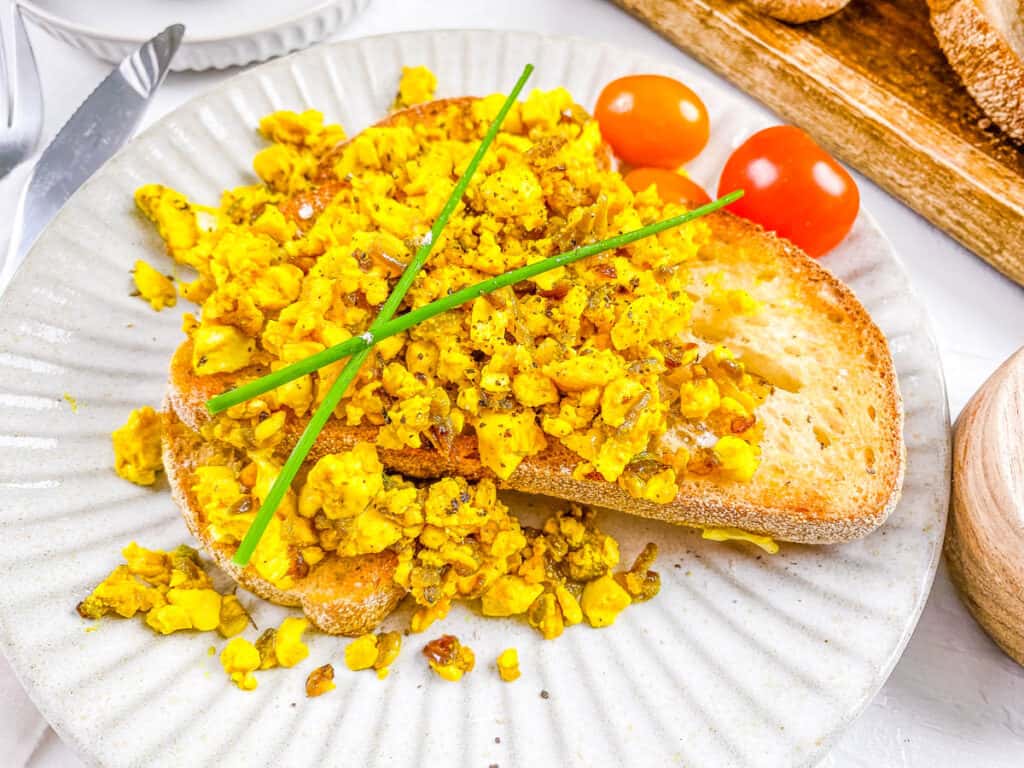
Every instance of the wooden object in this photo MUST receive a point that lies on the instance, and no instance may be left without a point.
(985, 540)
(872, 86)
(798, 11)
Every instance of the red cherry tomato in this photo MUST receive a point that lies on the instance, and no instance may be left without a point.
(652, 120)
(792, 186)
(672, 187)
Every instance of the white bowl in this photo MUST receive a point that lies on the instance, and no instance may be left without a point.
(218, 33)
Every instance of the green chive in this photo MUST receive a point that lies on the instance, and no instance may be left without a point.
(397, 325)
(323, 412)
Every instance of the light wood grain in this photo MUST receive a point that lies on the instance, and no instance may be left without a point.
(985, 540)
(872, 86)
(798, 11)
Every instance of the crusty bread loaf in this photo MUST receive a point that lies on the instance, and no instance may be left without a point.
(341, 595)
(984, 42)
(799, 11)
(832, 451)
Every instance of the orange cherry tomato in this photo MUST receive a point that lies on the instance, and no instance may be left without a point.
(652, 120)
(792, 186)
(672, 187)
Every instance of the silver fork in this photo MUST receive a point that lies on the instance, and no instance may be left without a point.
(19, 132)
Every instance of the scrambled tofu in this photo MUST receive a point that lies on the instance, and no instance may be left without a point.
(170, 589)
(449, 658)
(508, 665)
(240, 659)
(598, 356)
(640, 582)
(603, 600)
(361, 653)
(288, 646)
(153, 287)
(186, 609)
(233, 617)
(173, 593)
(454, 540)
(283, 646)
(121, 594)
(373, 652)
(137, 452)
(416, 86)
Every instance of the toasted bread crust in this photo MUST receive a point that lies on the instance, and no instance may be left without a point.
(987, 52)
(787, 511)
(799, 11)
(341, 595)
(420, 113)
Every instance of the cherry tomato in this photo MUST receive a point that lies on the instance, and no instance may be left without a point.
(672, 187)
(652, 120)
(792, 186)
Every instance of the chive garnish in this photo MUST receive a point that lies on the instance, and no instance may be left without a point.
(323, 412)
(358, 344)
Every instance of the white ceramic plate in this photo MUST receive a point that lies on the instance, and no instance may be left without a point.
(218, 33)
(743, 659)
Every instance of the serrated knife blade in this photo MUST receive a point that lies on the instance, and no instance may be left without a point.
(90, 137)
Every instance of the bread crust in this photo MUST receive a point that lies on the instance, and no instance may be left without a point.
(987, 53)
(340, 595)
(791, 512)
(799, 11)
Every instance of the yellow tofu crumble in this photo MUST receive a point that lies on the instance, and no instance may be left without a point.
(598, 357)
(593, 355)
(154, 288)
(137, 451)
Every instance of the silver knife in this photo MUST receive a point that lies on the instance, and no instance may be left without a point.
(97, 129)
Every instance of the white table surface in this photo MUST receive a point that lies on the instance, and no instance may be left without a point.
(954, 699)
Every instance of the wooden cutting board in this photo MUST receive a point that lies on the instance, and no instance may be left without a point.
(872, 86)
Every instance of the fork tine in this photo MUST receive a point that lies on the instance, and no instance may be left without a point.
(25, 93)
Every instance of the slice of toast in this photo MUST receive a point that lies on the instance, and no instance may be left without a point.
(341, 595)
(832, 457)
(984, 42)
